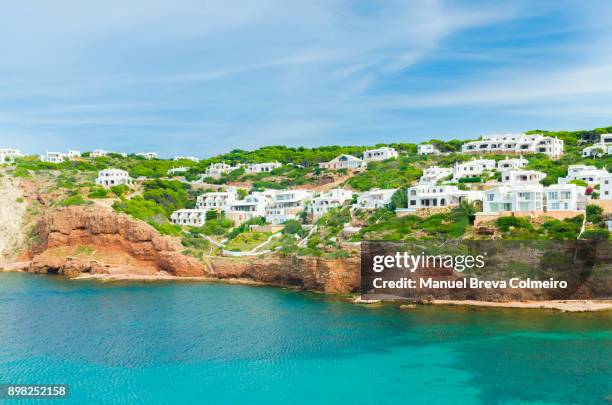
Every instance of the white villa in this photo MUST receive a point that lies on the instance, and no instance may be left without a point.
(102, 152)
(177, 170)
(59, 157)
(431, 196)
(383, 153)
(516, 143)
(9, 155)
(192, 158)
(511, 163)
(215, 170)
(113, 177)
(605, 187)
(521, 177)
(587, 173)
(216, 200)
(427, 149)
(343, 162)
(433, 174)
(472, 168)
(374, 198)
(326, 201)
(252, 206)
(288, 204)
(261, 167)
(147, 155)
(565, 197)
(603, 147)
(191, 217)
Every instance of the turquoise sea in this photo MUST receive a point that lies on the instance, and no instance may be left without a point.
(213, 343)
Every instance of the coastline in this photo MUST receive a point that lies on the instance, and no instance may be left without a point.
(556, 305)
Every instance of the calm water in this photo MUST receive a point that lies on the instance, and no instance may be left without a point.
(160, 342)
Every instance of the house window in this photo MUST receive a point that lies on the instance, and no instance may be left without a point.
(490, 197)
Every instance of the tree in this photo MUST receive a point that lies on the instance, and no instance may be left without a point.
(594, 214)
(399, 199)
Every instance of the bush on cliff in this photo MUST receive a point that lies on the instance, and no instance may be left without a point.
(171, 195)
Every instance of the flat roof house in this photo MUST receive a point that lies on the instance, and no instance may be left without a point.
(511, 163)
(188, 217)
(343, 162)
(113, 177)
(252, 206)
(54, 157)
(9, 154)
(216, 200)
(472, 168)
(433, 174)
(516, 143)
(374, 198)
(261, 167)
(589, 174)
(383, 153)
(147, 155)
(215, 170)
(432, 196)
(605, 187)
(427, 149)
(333, 198)
(192, 158)
(603, 147)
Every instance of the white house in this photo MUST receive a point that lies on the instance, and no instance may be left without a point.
(9, 154)
(432, 196)
(433, 174)
(102, 152)
(54, 157)
(511, 163)
(113, 177)
(605, 187)
(513, 198)
(516, 143)
(472, 168)
(252, 206)
(587, 173)
(177, 170)
(603, 147)
(374, 198)
(191, 217)
(521, 177)
(192, 158)
(427, 149)
(261, 167)
(288, 204)
(383, 153)
(215, 170)
(328, 200)
(565, 197)
(147, 155)
(216, 200)
(343, 162)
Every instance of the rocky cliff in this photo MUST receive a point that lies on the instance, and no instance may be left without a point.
(66, 238)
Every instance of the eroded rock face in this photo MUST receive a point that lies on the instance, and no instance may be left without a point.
(101, 227)
(98, 226)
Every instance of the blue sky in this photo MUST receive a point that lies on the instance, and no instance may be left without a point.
(204, 77)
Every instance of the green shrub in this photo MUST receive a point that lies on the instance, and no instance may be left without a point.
(594, 214)
(119, 190)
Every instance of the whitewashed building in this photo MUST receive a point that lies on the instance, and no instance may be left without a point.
(343, 162)
(177, 170)
(374, 198)
(188, 217)
(516, 143)
(472, 168)
(383, 153)
(433, 174)
(252, 206)
(8, 155)
(565, 197)
(261, 167)
(427, 149)
(102, 152)
(432, 196)
(147, 155)
(288, 204)
(512, 163)
(216, 200)
(54, 157)
(605, 187)
(215, 170)
(521, 177)
(603, 147)
(511, 198)
(334, 198)
(587, 173)
(113, 177)
(192, 158)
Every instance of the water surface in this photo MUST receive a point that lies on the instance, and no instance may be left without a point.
(162, 342)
